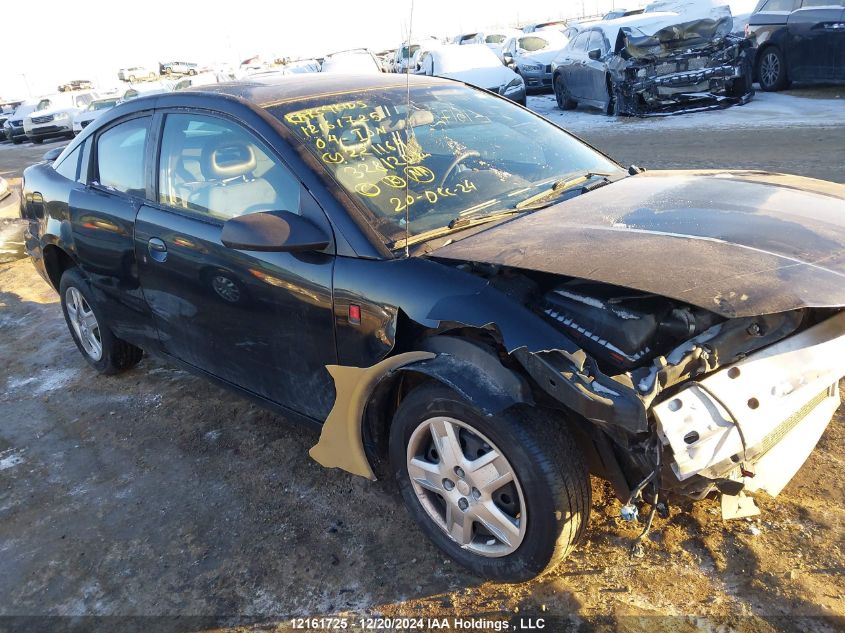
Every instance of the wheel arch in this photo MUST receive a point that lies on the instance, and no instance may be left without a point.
(758, 58)
(56, 261)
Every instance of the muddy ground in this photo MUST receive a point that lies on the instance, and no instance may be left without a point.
(157, 493)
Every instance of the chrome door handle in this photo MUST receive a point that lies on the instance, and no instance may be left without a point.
(157, 249)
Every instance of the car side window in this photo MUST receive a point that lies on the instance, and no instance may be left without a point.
(596, 42)
(805, 4)
(69, 167)
(120, 156)
(215, 167)
(580, 43)
(780, 5)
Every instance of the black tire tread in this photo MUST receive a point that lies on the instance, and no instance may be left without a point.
(547, 443)
(118, 355)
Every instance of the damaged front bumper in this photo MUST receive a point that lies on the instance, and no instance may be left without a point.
(751, 425)
(715, 76)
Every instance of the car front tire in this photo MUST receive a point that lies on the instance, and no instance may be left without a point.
(772, 70)
(564, 101)
(87, 325)
(506, 496)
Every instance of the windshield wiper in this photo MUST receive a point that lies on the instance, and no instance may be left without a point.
(566, 184)
(456, 224)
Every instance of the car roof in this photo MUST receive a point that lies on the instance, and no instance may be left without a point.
(268, 91)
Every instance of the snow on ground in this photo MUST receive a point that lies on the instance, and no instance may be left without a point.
(766, 110)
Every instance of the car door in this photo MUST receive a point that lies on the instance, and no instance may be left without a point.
(262, 321)
(813, 36)
(102, 213)
(838, 29)
(576, 75)
(595, 70)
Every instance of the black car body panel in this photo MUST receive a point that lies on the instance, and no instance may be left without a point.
(685, 235)
(654, 247)
(811, 38)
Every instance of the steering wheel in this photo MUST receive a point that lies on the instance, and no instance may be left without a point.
(457, 161)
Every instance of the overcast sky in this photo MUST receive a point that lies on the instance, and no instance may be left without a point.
(54, 41)
(92, 39)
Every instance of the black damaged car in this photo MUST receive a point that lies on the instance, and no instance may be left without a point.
(694, 65)
(458, 295)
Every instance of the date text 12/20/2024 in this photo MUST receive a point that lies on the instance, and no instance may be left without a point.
(517, 623)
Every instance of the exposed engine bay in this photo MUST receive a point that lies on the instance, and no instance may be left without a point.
(684, 67)
(682, 365)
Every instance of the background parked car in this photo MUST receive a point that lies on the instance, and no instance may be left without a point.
(76, 84)
(556, 25)
(531, 56)
(94, 109)
(474, 64)
(355, 61)
(469, 38)
(153, 88)
(13, 127)
(54, 115)
(798, 40)
(402, 56)
(178, 68)
(693, 64)
(136, 73)
(496, 39)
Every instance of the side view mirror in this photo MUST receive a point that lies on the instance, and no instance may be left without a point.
(594, 54)
(273, 231)
(508, 57)
(53, 154)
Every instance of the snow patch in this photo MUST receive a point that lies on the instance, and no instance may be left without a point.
(587, 301)
(10, 458)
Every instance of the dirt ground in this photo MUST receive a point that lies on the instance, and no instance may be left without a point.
(157, 493)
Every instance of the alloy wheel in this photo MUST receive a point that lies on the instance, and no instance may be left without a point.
(770, 69)
(467, 487)
(84, 323)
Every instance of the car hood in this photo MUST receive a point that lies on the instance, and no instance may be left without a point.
(50, 111)
(543, 57)
(738, 243)
(491, 77)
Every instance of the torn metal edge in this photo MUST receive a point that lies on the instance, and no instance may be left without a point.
(340, 444)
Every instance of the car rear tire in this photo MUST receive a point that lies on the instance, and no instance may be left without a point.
(513, 518)
(772, 70)
(564, 101)
(87, 325)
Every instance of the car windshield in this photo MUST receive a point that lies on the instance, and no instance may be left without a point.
(102, 104)
(44, 104)
(456, 152)
(494, 39)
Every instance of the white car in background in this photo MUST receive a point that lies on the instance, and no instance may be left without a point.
(54, 115)
(402, 58)
(137, 73)
(468, 38)
(143, 90)
(531, 55)
(496, 39)
(94, 109)
(473, 64)
(353, 62)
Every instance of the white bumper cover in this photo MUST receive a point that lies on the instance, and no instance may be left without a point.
(765, 413)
